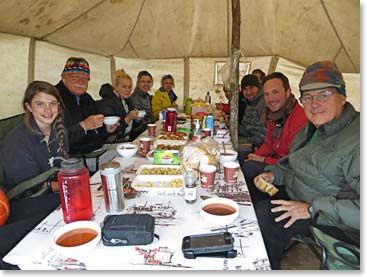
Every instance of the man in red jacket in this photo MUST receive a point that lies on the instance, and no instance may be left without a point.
(284, 118)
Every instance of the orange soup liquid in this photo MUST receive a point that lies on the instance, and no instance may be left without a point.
(76, 237)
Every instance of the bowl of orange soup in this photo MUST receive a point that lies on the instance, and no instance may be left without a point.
(219, 211)
(76, 239)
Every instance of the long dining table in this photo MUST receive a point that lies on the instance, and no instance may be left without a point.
(174, 219)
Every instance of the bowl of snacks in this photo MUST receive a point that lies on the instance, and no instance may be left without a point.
(219, 211)
(127, 150)
(76, 239)
(110, 120)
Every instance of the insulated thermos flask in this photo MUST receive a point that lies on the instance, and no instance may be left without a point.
(76, 200)
(112, 187)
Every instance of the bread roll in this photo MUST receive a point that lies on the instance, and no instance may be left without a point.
(196, 153)
(265, 186)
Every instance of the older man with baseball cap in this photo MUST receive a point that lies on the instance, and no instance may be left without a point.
(322, 171)
(84, 124)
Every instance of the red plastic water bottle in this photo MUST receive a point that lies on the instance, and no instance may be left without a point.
(171, 118)
(76, 200)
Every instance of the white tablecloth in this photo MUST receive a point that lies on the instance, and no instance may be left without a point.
(174, 220)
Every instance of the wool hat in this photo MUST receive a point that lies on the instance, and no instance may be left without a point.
(250, 80)
(324, 74)
(77, 65)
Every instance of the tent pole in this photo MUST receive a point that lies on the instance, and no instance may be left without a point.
(31, 59)
(186, 83)
(112, 67)
(236, 35)
(273, 64)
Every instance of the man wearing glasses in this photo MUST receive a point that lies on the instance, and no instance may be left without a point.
(84, 124)
(322, 171)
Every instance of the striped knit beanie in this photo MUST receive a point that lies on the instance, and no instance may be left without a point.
(77, 65)
(321, 75)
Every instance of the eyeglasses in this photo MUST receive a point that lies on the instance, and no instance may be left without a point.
(320, 97)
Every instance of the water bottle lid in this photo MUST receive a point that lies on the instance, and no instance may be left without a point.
(171, 109)
(72, 163)
(110, 168)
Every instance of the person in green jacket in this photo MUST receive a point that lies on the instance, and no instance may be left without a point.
(322, 170)
(164, 97)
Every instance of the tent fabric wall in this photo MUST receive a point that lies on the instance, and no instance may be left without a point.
(298, 30)
(50, 60)
(159, 35)
(14, 73)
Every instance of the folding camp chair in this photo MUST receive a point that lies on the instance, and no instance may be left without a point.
(28, 186)
(336, 254)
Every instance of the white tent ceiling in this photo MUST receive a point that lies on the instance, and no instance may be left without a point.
(302, 31)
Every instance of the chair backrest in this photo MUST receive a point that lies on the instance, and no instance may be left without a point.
(337, 255)
(6, 125)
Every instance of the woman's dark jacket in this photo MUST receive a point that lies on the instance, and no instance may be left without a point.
(111, 105)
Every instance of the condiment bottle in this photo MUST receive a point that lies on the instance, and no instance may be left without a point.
(75, 195)
(188, 103)
(208, 98)
(190, 187)
(209, 123)
(112, 187)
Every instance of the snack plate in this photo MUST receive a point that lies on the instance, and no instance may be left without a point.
(168, 142)
(150, 182)
(155, 166)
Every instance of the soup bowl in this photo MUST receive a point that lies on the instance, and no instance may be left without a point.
(110, 120)
(141, 114)
(76, 239)
(228, 156)
(219, 211)
(220, 139)
(127, 150)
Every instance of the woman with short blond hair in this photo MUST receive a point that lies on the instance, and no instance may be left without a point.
(116, 102)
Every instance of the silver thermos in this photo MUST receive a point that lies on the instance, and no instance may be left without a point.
(112, 187)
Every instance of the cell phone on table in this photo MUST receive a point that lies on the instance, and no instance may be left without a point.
(209, 245)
